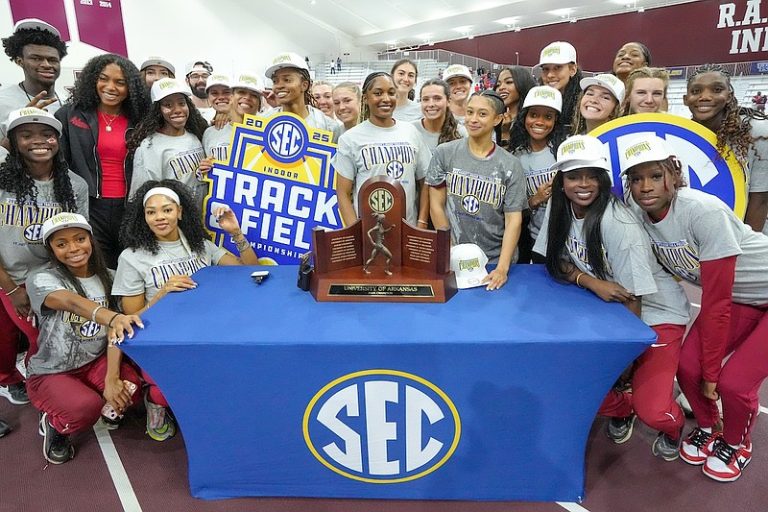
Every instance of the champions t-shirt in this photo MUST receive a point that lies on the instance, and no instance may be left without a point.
(629, 262)
(536, 166)
(21, 244)
(700, 227)
(163, 156)
(398, 152)
(479, 191)
(216, 142)
(66, 341)
(141, 272)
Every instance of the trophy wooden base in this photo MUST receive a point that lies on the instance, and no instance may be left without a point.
(404, 285)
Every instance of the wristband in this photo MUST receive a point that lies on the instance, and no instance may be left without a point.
(96, 310)
(109, 325)
(8, 294)
(579, 277)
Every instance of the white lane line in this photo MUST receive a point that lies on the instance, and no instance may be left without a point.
(116, 469)
(572, 507)
(764, 410)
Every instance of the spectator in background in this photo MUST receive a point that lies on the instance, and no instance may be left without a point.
(630, 57)
(759, 101)
(155, 68)
(196, 77)
(338, 63)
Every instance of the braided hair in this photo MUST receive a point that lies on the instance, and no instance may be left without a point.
(365, 112)
(15, 178)
(571, 94)
(450, 129)
(733, 134)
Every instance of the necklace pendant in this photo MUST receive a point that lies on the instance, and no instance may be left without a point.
(108, 128)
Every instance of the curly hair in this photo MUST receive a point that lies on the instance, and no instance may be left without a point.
(734, 132)
(14, 44)
(450, 129)
(14, 178)
(96, 264)
(365, 112)
(86, 98)
(579, 124)
(411, 93)
(135, 233)
(520, 139)
(153, 121)
(560, 220)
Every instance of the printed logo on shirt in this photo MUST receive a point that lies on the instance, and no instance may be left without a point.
(536, 178)
(186, 163)
(694, 145)
(84, 328)
(181, 267)
(387, 153)
(395, 169)
(28, 217)
(578, 250)
(679, 257)
(381, 426)
(483, 189)
(220, 152)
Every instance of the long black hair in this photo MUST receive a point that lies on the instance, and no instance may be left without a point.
(96, 264)
(520, 139)
(153, 121)
(524, 82)
(571, 95)
(135, 233)
(15, 178)
(560, 220)
(87, 99)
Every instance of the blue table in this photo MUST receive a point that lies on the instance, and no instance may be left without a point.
(487, 397)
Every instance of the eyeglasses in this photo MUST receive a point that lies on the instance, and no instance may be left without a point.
(198, 76)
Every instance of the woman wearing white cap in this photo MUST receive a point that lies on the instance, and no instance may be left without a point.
(77, 366)
(219, 92)
(459, 79)
(646, 91)
(381, 146)
(247, 91)
(600, 102)
(534, 138)
(165, 243)
(292, 85)
(591, 239)
(559, 69)
(725, 355)
(405, 73)
(437, 124)
(35, 184)
(167, 143)
(155, 68)
(477, 189)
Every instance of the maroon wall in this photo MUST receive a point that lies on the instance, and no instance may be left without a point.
(677, 35)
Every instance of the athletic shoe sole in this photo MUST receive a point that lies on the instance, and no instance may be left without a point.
(44, 418)
(4, 392)
(725, 478)
(628, 435)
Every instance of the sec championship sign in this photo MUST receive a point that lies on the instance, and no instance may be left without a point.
(694, 145)
(280, 184)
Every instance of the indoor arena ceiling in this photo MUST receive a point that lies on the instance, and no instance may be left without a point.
(401, 23)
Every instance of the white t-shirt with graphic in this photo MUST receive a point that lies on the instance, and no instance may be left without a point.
(163, 156)
(399, 152)
(536, 166)
(431, 138)
(409, 112)
(216, 142)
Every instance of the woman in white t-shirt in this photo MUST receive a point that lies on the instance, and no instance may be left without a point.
(437, 124)
(405, 73)
(696, 237)
(591, 239)
(381, 146)
(167, 142)
(165, 243)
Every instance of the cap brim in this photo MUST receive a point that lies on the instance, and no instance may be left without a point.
(49, 121)
(572, 165)
(80, 225)
(473, 281)
(271, 69)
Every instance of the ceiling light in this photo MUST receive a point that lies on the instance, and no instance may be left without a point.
(470, 36)
(511, 20)
(463, 29)
(563, 13)
(517, 29)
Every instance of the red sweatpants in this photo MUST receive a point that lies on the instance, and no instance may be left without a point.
(73, 400)
(10, 325)
(740, 377)
(652, 398)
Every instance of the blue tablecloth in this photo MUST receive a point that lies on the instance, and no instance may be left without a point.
(487, 397)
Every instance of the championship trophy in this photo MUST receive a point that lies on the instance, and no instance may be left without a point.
(381, 257)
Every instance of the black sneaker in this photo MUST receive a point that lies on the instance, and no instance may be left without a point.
(57, 448)
(666, 447)
(620, 429)
(4, 428)
(15, 393)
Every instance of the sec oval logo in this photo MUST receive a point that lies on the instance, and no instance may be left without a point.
(381, 426)
(696, 147)
(286, 138)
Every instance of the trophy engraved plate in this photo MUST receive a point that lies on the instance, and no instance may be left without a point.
(381, 257)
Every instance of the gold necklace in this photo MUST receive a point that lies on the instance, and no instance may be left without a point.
(108, 121)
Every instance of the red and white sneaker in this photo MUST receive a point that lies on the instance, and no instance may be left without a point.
(726, 463)
(698, 446)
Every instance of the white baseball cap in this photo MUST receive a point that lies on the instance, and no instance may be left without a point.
(558, 52)
(579, 152)
(158, 61)
(62, 221)
(217, 79)
(455, 70)
(286, 60)
(34, 23)
(544, 96)
(468, 263)
(607, 81)
(32, 115)
(200, 65)
(167, 86)
(641, 148)
(250, 81)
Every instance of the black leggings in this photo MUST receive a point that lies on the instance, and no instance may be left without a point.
(106, 215)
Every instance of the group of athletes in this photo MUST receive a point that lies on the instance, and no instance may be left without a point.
(101, 195)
